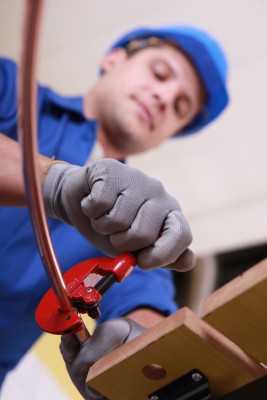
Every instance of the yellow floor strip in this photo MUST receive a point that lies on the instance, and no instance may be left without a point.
(47, 350)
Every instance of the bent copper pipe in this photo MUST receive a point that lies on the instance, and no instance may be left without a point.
(27, 105)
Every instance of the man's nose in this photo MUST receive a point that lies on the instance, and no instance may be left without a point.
(165, 95)
(158, 102)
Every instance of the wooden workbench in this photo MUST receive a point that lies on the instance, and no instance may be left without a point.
(227, 343)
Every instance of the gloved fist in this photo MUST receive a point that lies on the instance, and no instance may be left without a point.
(106, 338)
(120, 209)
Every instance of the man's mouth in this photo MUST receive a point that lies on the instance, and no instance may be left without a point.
(145, 113)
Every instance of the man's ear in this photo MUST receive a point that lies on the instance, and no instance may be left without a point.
(113, 58)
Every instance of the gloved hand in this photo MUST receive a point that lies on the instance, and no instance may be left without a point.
(120, 209)
(107, 337)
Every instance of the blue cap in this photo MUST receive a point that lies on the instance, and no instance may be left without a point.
(208, 59)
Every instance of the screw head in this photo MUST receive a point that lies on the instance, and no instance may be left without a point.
(88, 290)
(196, 376)
(68, 317)
(154, 398)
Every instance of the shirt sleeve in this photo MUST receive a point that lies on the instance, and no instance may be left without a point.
(153, 289)
(8, 97)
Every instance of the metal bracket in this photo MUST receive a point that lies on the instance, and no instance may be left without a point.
(191, 386)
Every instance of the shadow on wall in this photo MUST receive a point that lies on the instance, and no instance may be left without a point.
(214, 272)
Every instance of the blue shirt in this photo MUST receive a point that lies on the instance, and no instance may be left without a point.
(63, 132)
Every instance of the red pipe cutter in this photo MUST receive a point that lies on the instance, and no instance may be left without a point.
(86, 283)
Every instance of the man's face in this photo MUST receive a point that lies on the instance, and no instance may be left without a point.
(144, 99)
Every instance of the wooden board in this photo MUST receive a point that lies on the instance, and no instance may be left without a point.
(178, 344)
(239, 311)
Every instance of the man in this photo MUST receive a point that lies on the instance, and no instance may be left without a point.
(155, 84)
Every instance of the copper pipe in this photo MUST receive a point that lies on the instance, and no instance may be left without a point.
(27, 104)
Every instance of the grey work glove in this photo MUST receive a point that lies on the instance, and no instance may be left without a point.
(120, 209)
(107, 337)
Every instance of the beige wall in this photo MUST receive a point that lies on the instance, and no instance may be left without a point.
(219, 176)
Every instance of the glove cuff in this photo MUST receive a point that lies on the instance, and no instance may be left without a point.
(48, 165)
(135, 329)
(51, 186)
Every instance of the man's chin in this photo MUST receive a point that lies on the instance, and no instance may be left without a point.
(126, 142)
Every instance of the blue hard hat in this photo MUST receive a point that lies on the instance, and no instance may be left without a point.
(208, 59)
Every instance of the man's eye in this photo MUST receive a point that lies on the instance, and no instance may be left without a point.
(181, 106)
(161, 72)
(160, 75)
